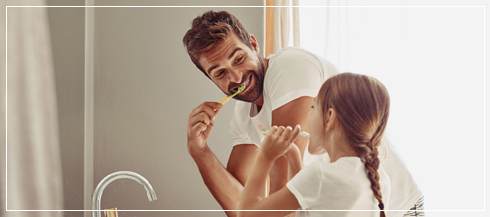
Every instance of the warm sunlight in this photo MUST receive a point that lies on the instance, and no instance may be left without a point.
(431, 61)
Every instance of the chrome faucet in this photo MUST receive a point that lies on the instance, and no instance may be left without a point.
(96, 211)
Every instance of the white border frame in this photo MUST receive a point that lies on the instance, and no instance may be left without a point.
(89, 102)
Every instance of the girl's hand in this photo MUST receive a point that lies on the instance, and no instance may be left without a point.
(278, 141)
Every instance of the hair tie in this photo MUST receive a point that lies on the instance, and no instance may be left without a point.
(381, 206)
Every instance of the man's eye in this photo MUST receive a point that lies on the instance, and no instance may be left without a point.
(219, 74)
(239, 60)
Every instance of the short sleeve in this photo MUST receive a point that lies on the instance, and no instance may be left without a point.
(293, 73)
(306, 185)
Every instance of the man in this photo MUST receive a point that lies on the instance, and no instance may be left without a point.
(279, 91)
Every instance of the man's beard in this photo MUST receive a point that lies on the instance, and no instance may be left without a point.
(254, 90)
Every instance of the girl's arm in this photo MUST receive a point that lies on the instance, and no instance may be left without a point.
(294, 161)
(277, 143)
(253, 194)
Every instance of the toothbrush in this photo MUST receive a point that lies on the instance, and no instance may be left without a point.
(301, 133)
(224, 100)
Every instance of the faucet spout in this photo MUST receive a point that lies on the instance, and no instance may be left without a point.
(96, 210)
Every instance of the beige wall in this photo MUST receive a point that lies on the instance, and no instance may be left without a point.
(67, 29)
(144, 89)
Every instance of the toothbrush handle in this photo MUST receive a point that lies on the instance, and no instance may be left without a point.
(224, 100)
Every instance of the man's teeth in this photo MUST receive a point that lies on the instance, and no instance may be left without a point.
(246, 83)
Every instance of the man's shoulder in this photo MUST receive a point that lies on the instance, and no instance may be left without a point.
(294, 49)
(297, 57)
(292, 52)
(300, 59)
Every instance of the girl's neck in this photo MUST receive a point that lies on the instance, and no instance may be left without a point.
(341, 148)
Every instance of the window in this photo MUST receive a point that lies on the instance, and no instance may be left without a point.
(431, 59)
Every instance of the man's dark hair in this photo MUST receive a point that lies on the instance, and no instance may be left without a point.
(210, 29)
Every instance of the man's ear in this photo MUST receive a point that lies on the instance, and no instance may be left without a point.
(253, 42)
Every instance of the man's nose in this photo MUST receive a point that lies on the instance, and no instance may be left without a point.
(236, 76)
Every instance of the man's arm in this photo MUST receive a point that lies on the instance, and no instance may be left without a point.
(290, 114)
(226, 185)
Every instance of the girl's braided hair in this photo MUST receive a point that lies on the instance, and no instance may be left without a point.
(362, 104)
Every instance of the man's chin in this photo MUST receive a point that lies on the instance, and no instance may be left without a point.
(248, 99)
(245, 100)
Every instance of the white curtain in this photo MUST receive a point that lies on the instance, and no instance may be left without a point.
(337, 33)
(282, 24)
(34, 180)
(325, 30)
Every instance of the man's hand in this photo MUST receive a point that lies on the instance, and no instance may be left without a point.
(200, 124)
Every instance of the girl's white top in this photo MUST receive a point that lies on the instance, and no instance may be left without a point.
(342, 185)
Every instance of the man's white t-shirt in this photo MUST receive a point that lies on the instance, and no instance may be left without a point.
(294, 72)
(341, 185)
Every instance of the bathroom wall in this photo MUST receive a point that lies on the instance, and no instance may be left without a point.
(145, 86)
(67, 30)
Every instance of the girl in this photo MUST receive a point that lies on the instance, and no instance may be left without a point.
(347, 121)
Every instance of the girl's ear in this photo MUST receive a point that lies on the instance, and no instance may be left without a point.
(331, 119)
